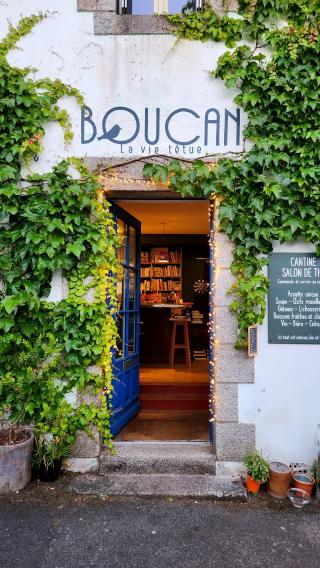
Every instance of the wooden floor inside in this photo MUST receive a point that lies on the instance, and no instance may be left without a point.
(197, 373)
(166, 425)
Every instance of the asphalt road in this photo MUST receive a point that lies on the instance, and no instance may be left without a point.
(43, 529)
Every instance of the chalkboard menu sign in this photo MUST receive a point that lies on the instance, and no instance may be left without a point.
(294, 298)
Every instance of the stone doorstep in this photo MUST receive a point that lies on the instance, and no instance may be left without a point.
(216, 488)
(158, 458)
(149, 469)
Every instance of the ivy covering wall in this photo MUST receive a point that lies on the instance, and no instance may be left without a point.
(272, 193)
(55, 221)
(60, 221)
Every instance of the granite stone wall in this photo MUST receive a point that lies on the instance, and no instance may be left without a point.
(108, 22)
(233, 367)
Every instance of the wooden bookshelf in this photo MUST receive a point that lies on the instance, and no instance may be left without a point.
(160, 273)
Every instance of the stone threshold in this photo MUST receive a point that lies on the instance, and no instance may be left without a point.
(158, 458)
(216, 488)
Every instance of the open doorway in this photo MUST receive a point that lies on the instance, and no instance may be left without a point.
(173, 340)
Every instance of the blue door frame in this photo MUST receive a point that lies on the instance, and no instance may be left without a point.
(125, 397)
(126, 364)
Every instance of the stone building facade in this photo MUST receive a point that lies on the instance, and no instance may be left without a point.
(112, 58)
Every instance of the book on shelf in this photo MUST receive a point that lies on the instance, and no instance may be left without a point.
(159, 255)
(146, 272)
(144, 257)
(158, 284)
(175, 256)
(166, 271)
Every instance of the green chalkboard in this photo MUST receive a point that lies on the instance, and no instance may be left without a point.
(294, 298)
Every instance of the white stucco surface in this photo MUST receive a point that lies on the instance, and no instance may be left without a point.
(284, 401)
(136, 72)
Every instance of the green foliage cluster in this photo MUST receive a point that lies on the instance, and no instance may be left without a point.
(257, 466)
(272, 192)
(207, 25)
(255, 19)
(49, 222)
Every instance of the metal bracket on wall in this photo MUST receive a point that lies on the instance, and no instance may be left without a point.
(252, 340)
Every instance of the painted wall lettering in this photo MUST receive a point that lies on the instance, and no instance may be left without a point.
(184, 127)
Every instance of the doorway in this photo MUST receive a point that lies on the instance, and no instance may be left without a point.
(164, 284)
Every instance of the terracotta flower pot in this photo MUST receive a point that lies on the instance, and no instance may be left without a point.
(279, 479)
(303, 481)
(253, 486)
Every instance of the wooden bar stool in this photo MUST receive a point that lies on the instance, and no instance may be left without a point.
(184, 323)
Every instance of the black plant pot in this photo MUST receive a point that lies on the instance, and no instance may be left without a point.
(51, 473)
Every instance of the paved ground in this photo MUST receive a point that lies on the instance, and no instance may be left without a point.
(46, 527)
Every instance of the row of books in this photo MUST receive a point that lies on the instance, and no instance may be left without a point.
(160, 271)
(196, 316)
(200, 354)
(157, 285)
(146, 271)
(160, 255)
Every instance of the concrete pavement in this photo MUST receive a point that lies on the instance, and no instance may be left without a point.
(47, 527)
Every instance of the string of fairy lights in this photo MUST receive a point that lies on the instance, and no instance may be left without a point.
(109, 182)
(212, 315)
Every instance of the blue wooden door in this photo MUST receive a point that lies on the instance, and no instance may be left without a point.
(125, 397)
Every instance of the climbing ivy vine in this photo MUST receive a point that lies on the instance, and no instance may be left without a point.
(272, 193)
(58, 221)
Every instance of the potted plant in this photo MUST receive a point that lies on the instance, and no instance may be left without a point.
(257, 470)
(48, 454)
(32, 393)
(315, 470)
(16, 444)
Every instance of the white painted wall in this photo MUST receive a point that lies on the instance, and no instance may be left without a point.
(132, 71)
(284, 402)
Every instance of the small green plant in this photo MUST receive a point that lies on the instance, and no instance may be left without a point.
(257, 466)
(48, 449)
